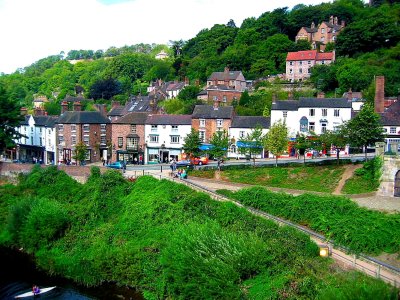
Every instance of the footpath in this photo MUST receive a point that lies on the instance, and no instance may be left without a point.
(387, 270)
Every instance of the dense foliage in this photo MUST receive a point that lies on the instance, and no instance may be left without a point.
(258, 48)
(338, 218)
(164, 239)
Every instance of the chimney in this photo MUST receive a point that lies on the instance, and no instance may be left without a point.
(312, 25)
(331, 20)
(114, 104)
(101, 108)
(39, 111)
(335, 21)
(77, 106)
(321, 95)
(379, 94)
(23, 111)
(64, 106)
(350, 95)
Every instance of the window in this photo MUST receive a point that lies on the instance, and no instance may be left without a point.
(290, 71)
(120, 142)
(86, 139)
(392, 129)
(322, 30)
(242, 134)
(174, 128)
(60, 139)
(31, 129)
(174, 139)
(309, 70)
(323, 129)
(324, 112)
(290, 63)
(215, 98)
(154, 128)
(202, 123)
(312, 112)
(103, 127)
(219, 122)
(154, 139)
(132, 143)
(133, 128)
(309, 62)
(223, 98)
(322, 62)
(202, 135)
(60, 127)
(285, 114)
(301, 71)
(300, 63)
(86, 127)
(311, 126)
(73, 140)
(103, 139)
(336, 113)
(73, 127)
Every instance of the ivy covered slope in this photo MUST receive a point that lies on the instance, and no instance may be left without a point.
(167, 240)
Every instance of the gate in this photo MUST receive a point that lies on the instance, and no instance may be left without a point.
(397, 185)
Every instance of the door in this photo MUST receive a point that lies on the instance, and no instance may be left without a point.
(397, 185)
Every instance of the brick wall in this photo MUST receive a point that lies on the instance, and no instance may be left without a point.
(122, 130)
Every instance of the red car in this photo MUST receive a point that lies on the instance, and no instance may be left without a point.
(200, 161)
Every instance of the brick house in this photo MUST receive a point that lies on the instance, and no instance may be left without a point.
(128, 138)
(299, 64)
(224, 87)
(90, 127)
(324, 33)
(208, 119)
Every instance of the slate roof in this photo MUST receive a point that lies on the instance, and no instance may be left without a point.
(135, 104)
(310, 30)
(220, 87)
(324, 102)
(208, 112)
(230, 75)
(116, 111)
(138, 118)
(285, 105)
(391, 115)
(25, 121)
(48, 121)
(82, 117)
(169, 120)
(251, 122)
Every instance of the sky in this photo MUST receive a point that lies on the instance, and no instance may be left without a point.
(34, 29)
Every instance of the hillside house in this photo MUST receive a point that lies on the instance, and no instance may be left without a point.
(299, 64)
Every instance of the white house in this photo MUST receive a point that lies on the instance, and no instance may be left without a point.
(164, 137)
(315, 115)
(39, 141)
(242, 126)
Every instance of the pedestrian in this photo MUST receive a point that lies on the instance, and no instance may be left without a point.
(35, 289)
(219, 164)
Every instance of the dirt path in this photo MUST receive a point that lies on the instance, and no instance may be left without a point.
(348, 173)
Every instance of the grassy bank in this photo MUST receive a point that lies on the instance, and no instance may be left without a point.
(167, 240)
(338, 218)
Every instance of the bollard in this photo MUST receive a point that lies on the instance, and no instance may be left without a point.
(161, 169)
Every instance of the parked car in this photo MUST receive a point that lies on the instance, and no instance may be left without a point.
(116, 165)
(184, 163)
(201, 160)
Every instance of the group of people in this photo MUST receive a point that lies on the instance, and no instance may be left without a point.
(181, 173)
(35, 289)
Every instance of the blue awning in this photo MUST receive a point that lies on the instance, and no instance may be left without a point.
(247, 145)
(206, 147)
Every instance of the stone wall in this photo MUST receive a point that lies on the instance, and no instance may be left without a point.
(390, 167)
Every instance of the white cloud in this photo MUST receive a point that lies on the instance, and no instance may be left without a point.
(32, 30)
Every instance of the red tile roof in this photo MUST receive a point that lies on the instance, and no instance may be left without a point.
(309, 55)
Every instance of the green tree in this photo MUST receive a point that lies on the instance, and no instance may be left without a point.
(192, 143)
(302, 144)
(252, 143)
(80, 152)
(335, 138)
(10, 118)
(105, 89)
(220, 142)
(189, 92)
(276, 140)
(364, 129)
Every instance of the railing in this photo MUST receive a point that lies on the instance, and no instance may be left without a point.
(369, 265)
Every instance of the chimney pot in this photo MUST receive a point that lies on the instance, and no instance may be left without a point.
(379, 94)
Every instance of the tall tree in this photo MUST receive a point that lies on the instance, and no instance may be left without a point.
(192, 143)
(252, 143)
(220, 142)
(364, 129)
(10, 118)
(277, 139)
